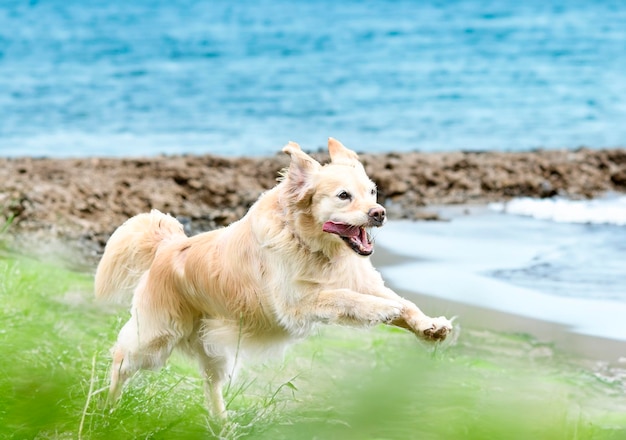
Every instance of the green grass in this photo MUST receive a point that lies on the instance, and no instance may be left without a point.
(339, 384)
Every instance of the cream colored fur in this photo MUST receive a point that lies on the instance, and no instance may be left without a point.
(256, 285)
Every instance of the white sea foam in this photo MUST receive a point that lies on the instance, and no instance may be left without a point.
(610, 210)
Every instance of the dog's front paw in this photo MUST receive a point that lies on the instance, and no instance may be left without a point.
(435, 329)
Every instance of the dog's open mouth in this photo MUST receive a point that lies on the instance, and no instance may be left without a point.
(355, 236)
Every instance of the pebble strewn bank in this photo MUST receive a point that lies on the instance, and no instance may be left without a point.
(84, 200)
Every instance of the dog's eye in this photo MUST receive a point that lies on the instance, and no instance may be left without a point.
(373, 191)
(344, 195)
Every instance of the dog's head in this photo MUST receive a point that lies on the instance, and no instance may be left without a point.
(337, 200)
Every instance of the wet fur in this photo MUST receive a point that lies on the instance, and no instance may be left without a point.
(256, 285)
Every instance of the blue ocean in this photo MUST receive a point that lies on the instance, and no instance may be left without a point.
(146, 77)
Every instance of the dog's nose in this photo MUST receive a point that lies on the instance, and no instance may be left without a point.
(377, 215)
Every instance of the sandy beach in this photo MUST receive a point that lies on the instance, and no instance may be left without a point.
(79, 202)
(550, 336)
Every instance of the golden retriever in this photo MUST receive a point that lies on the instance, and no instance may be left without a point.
(299, 257)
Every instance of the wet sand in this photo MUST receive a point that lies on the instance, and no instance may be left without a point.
(555, 335)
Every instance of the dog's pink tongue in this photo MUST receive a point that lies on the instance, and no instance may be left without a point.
(341, 229)
(356, 236)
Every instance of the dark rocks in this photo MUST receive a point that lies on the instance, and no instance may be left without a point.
(86, 199)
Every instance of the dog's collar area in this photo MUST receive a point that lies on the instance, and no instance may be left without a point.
(355, 236)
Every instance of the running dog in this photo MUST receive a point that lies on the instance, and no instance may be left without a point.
(299, 257)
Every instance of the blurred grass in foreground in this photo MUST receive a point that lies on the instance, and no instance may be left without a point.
(339, 384)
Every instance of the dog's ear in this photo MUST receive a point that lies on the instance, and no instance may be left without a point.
(299, 176)
(339, 154)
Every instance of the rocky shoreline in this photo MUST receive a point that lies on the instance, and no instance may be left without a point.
(82, 201)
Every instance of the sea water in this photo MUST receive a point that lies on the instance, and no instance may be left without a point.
(563, 268)
(144, 77)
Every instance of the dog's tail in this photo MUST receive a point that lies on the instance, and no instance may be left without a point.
(130, 252)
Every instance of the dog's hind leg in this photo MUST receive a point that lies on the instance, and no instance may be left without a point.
(218, 347)
(120, 372)
(217, 372)
(140, 345)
